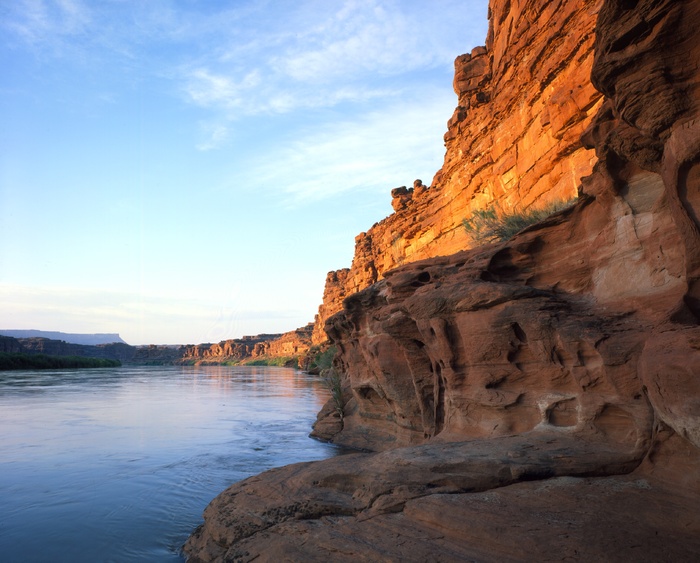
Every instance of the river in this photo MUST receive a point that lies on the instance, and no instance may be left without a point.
(118, 464)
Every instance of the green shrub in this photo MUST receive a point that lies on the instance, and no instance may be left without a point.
(324, 360)
(495, 225)
(278, 361)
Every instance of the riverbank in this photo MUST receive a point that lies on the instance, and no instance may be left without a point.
(42, 361)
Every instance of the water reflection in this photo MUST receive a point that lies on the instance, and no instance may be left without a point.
(118, 464)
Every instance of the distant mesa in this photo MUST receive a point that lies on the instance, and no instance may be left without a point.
(89, 339)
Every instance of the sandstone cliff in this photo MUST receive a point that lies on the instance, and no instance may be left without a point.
(514, 138)
(536, 399)
(291, 345)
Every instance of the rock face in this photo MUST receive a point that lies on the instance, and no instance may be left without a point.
(335, 292)
(535, 399)
(293, 344)
(506, 499)
(514, 138)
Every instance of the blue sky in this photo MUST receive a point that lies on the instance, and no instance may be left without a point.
(189, 171)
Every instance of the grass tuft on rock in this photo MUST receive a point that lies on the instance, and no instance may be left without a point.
(495, 225)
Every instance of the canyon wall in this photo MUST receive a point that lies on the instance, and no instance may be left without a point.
(514, 140)
(534, 399)
(294, 345)
(113, 351)
(587, 322)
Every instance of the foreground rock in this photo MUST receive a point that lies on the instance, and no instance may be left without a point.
(536, 399)
(547, 496)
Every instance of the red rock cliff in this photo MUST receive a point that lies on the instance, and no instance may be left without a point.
(523, 101)
(585, 322)
(293, 345)
(545, 390)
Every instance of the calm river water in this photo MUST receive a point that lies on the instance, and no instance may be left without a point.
(118, 464)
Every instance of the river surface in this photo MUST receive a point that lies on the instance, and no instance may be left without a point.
(118, 464)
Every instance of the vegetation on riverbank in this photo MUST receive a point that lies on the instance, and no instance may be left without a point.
(14, 361)
(279, 361)
(320, 358)
(275, 361)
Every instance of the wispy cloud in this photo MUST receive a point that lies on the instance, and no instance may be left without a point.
(213, 135)
(352, 51)
(361, 37)
(256, 56)
(370, 153)
(47, 22)
(208, 89)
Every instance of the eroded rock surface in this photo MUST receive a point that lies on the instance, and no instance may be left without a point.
(544, 497)
(514, 138)
(537, 399)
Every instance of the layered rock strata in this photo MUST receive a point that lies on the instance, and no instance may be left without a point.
(514, 140)
(293, 344)
(536, 399)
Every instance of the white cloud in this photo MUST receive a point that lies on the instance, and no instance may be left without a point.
(42, 22)
(322, 55)
(208, 89)
(362, 37)
(374, 152)
(214, 136)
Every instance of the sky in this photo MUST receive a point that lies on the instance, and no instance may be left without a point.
(188, 171)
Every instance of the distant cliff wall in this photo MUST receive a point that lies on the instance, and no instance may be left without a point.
(293, 344)
(514, 139)
(71, 338)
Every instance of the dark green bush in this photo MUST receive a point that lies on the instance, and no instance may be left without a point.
(324, 360)
(278, 361)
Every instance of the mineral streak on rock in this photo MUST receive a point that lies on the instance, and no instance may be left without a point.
(535, 399)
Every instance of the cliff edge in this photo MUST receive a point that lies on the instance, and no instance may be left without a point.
(534, 399)
(524, 99)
